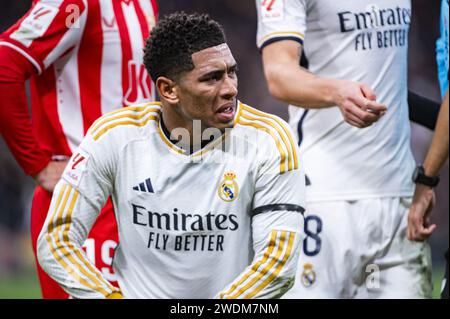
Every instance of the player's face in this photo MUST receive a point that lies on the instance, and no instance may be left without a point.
(208, 92)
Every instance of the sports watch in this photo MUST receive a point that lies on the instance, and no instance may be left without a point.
(420, 177)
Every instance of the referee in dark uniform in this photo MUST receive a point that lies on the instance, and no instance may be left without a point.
(426, 175)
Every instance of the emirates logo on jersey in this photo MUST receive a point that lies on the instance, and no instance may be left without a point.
(178, 231)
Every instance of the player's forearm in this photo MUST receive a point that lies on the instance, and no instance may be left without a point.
(292, 84)
(15, 121)
(438, 152)
(60, 252)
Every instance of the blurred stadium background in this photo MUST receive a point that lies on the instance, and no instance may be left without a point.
(17, 274)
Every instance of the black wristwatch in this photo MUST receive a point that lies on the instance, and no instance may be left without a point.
(420, 177)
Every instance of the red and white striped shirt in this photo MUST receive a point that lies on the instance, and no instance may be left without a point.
(88, 55)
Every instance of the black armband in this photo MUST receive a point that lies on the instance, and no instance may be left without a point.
(423, 111)
(278, 207)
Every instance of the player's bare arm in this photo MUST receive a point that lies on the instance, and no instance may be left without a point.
(290, 83)
(419, 226)
(438, 153)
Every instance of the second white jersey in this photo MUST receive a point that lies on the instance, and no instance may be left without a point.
(363, 41)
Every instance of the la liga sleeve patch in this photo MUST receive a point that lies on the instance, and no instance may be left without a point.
(35, 24)
(77, 166)
(272, 10)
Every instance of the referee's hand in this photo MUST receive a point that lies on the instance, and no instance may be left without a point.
(419, 227)
(358, 104)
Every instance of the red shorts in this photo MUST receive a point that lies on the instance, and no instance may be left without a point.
(99, 246)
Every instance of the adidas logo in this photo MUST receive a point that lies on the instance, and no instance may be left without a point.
(145, 187)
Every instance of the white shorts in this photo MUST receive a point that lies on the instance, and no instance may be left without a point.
(359, 249)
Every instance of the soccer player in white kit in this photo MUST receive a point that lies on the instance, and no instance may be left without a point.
(221, 218)
(356, 153)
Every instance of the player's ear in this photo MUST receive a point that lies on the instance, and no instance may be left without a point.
(167, 89)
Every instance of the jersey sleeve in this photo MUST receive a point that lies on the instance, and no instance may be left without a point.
(280, 20)
(276, 242)
(277, 223)
(442, 49)
(78, 198)
(280, 179)
(47, 31)
(15, 121)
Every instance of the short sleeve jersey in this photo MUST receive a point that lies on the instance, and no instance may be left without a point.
(363, 41)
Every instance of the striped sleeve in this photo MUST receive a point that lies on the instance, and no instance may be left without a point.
(280, 178)
(50, 29)
(60, 243)
(285, 152)
(276, 240)
(280, 20)
(76, 203)
(277, 211)
(128, 116)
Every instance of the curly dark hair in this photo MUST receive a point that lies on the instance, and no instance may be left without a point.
(175, 38)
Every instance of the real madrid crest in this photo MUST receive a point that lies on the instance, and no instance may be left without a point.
(228, 188)
(308, 275)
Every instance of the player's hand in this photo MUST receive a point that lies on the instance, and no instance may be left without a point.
(419, 228)
(50, 175)
(358, 104)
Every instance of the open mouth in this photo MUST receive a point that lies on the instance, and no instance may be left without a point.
(226, 108)
(226, 112)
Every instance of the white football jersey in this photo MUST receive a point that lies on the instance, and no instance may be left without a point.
(363, 41)
(222, 222)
